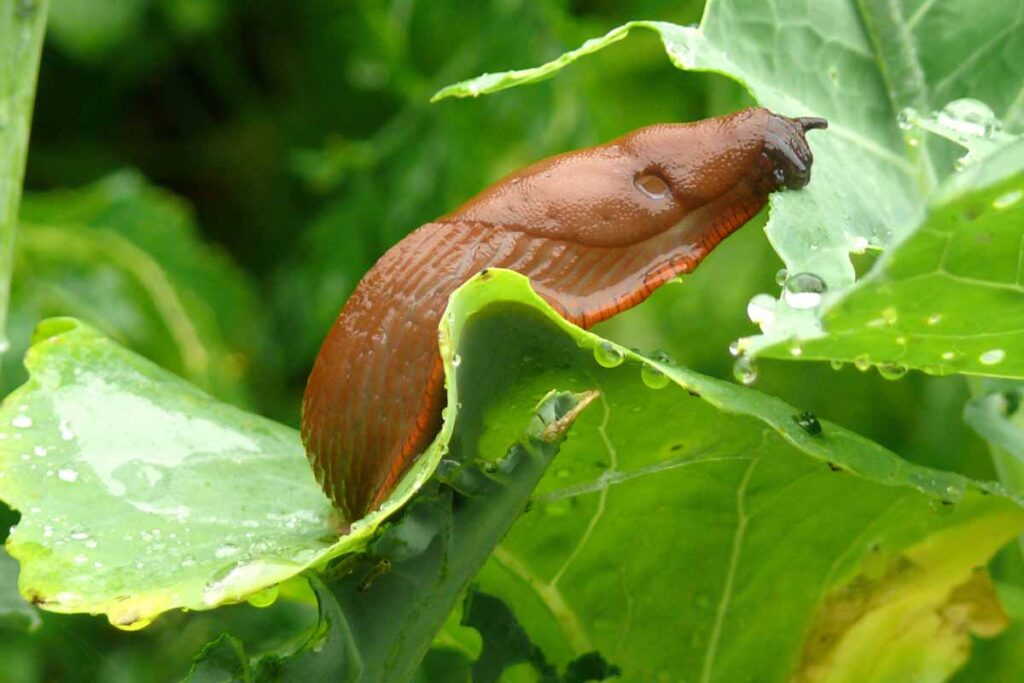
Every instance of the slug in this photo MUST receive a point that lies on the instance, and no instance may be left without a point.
(595, 230)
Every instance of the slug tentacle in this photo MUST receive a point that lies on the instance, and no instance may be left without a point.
(596, 231)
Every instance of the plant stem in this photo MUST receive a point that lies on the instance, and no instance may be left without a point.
(22, 25)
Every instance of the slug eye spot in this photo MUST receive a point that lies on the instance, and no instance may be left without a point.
(651, 185)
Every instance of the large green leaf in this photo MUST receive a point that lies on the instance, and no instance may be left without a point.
(139, 493)
(730, 505)
(125, 257)
(671, 529)
(856, 65)
(949, 298)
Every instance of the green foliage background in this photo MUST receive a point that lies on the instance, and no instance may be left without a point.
(208, 181)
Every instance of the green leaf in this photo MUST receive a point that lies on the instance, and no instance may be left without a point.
(950, 297)
(672, 527)
(681, 511)
(22, 26)
(139, 493)
(857, 65)
(126, 258)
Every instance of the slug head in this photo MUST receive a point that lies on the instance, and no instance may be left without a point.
(644, 183)
(703, 161)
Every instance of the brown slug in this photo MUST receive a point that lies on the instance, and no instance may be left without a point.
(595, 230)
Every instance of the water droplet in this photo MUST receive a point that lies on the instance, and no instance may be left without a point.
(859, 244)
(934, 319)
(992, 357)
(905, 119)
(796, 350)
(890, 316)
(651, 185)
(188, 561)
(662, 357)
(653, 377)
(892, 370)
(862, 362)
(761, 310)
(65, 430)
(79, 535)
(22, 421)
(970, 117)
(734, 348)
(608, 355)
(263, 598)
(803, 290)
(68, 474)
(780, 276)
(1005, 201)
(456, 361)
(808, 422)
(39, 451)
(952, 355)
(744, 370)
(226, 550)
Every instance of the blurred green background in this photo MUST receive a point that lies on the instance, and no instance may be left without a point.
(207, 181)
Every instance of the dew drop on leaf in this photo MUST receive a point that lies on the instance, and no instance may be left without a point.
(992, 357)
(653, 377)
(662, 357)
(1005, 201)
(905, 119)
(859, 244)
(780, 276)
(22, 421)
(761, 310)
(803, 290)
(608, 355)
(892, 371)
(264, 598)
(862, 362)
(970, 117)
(744, 370)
